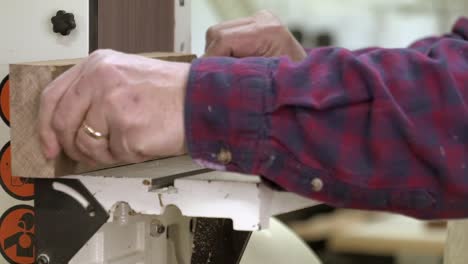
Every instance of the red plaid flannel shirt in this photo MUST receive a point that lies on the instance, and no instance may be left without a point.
(376, 129)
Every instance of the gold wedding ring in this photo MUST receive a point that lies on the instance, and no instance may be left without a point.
(93, 133)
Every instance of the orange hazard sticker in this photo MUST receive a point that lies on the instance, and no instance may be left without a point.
(17, 235)
(18, 188)
(5, 100)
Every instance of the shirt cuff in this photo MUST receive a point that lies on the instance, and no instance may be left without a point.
(224, 111)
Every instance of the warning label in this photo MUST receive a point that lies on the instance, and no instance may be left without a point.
(17, 235)
(18, 188)
(5, 100)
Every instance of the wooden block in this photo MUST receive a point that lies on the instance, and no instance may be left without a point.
(456, 247)
(26, 84)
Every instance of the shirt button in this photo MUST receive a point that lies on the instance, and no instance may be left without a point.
(224, 156)
(317, 184)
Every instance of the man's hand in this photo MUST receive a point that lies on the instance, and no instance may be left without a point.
(262, 34)
(137, 103)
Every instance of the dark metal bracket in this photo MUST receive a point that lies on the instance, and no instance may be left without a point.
(67, 216)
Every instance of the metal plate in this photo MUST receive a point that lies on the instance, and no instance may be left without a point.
(67, 216)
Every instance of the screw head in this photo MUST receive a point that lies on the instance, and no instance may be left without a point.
(146, 182)
(156, 228)
(161, 229)
(43, 259)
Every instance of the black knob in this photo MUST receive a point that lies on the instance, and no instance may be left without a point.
(63, 22)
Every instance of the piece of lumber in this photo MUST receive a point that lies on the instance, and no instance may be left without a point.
(27, 80)
(456, 247)
(389, 234)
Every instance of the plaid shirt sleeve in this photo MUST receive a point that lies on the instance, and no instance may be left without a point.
(377, 129)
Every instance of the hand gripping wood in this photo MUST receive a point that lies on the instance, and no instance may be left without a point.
(27, 81)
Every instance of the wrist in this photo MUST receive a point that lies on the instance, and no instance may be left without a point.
(182, 72)
(170, 79)
(183, 78)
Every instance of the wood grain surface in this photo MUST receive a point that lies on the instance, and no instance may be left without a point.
(456, 247)
(27, 81)
(134, 26)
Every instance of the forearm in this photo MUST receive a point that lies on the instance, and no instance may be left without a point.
(380, 130)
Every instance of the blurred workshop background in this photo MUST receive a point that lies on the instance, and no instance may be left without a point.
(347, 23)
(350, 236)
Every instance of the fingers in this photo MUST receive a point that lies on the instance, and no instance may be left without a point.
(240, 41)
(262, 34)
(69, 115)
(50, 98)
(95, 148)
(213, 32)
(114, 94)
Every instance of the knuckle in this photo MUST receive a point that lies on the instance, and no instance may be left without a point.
(213, 33)
(95, 56)
(103, 66)
(96, 53)
(268, 18)
(100, 53)
(276, 28)
(103, 74)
